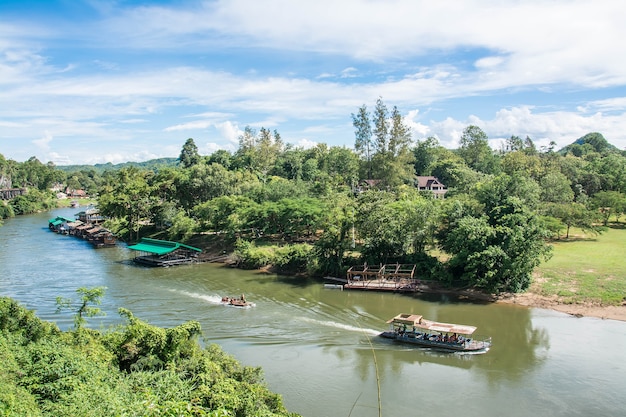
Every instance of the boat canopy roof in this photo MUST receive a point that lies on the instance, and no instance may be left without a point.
(418, 321)
(160, 247)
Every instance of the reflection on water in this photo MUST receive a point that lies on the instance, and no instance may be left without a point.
(320, 348)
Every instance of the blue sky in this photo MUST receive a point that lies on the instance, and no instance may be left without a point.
(114, 81)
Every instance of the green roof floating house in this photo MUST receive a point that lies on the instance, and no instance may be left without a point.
(98, 236)
(58, 223)
(155, 252)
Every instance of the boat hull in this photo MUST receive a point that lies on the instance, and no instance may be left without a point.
(417, 340)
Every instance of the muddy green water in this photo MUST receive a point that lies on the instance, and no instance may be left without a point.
(319, 347)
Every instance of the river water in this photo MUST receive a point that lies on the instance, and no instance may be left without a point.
(319, 348)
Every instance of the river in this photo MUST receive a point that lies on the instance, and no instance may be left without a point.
(319, 348)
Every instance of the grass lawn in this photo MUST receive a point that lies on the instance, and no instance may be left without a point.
(586, 268)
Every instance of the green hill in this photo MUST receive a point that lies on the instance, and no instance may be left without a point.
(100, 168)
(593, 141)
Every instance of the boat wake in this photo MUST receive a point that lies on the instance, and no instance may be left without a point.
(211, 299)
(370, 332)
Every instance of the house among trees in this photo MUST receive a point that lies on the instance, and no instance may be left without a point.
(432, 184)
(423, 183)
(154, 252)
(72, 193)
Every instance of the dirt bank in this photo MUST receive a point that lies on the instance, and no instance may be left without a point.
(531, 299)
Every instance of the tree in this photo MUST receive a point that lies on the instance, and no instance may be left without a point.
(496, 247)
(129, 198)
(363, 133)
(268, 148)
(342, 165)
(389, 157)
(555, 188)
(475, 150)
(382, 223)
(258, 153)
(608, 203)
(189, 154)
(183, 227)
(222, 157)
(425, 154)
(573, 214)
(399, 158)
(88, 298)
(519, 162)
(330, 249)
(380, 118)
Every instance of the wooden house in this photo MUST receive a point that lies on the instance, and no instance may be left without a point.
(431, 184)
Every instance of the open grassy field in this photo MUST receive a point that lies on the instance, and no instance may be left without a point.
(586, 269)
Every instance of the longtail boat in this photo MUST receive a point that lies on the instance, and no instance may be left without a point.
(416, 330)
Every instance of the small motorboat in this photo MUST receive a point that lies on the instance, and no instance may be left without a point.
(236, 302)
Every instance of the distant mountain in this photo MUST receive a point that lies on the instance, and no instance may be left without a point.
(593, 140)
(100, 168)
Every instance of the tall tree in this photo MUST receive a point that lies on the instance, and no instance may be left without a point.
(399, 151)
(363, 133)
(258, 153)
(380, 118)
(189, 155)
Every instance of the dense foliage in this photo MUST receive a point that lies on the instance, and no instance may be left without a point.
(322, 209)
(135, 370)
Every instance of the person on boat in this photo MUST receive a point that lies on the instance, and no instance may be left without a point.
(243, 298)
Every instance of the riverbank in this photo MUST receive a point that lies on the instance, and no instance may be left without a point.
(535, 296)
(533, 299)
(588, 309)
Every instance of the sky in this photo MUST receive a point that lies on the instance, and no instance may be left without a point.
(90, 81)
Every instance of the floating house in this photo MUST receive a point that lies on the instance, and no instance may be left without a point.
(94, 234)
(60, 224)
(155, 252)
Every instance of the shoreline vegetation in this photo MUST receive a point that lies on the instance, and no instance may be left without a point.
(591, 255)
(586, 277)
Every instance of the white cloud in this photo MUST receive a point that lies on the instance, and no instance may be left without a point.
(418, 129)
(229, 131)
(306, 143)
(349, 72)
(562, 127)
(414, 54)
(43, 143)
(546, 47)
(201, 124)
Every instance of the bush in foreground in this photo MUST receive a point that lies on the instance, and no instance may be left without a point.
(135, 370)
